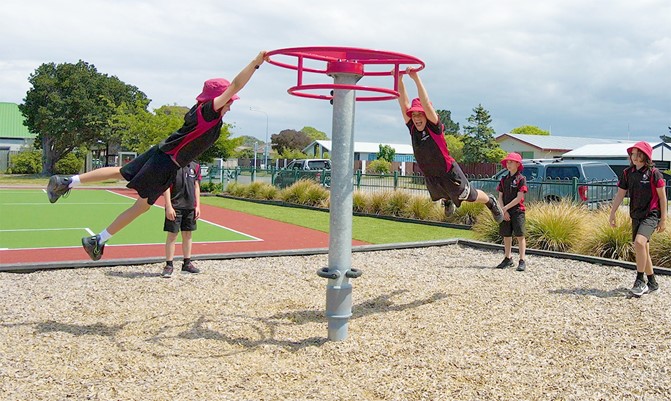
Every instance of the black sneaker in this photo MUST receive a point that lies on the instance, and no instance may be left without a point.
(496, 210)
(167, 271)
(93, 247)
(58, 186)
(639, 288)
(521, 266)
(505, 263)
(449, 206)
(190, 268)
(652, 286)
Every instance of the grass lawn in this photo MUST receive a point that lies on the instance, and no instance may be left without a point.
(368, 229)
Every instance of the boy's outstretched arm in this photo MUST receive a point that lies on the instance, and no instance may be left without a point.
(239, 81)
(430, 112)
(403, 99)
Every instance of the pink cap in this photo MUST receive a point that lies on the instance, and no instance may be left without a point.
(643, 147)
(515, 157)
(415, 106)
(213, 88)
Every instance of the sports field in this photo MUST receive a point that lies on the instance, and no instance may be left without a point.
(29, 221)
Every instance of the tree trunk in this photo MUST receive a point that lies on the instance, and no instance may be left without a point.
(49, 155)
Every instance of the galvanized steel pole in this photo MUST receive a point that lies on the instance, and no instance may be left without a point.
(339, 289)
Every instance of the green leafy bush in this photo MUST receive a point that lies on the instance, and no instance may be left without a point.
(26, 162)
(211, 187)
(70, 164)
(379, 166)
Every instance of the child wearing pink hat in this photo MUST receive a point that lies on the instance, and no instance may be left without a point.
(152, 172)
(647, 209)
(512, 188)
(443, 176)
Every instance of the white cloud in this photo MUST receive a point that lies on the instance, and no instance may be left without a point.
(580, 68)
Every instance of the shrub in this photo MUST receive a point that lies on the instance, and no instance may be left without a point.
(378, 166)
(395, 203)
(660, 247)
(26, 162)
(486, 228)
(360, 202)
(600, 239)
(235, 189)
(260, 190)
(304, 192)
(70, 164)
(556, 226)
(211, 187)
(422, 208)
(377, 202)
(467, 213)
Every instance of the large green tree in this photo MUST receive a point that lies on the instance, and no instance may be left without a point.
(290, 139)
(314, 133)
(142, 129)
(479, 143)
(386, 153)
(70, 106)
(529, 130)
(445, 117)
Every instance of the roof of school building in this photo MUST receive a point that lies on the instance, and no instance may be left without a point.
(11, 122)
(551, 142)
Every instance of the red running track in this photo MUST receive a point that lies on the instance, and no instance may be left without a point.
(274, 235)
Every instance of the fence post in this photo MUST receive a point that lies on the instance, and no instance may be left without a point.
(574, 189)
(395, 180)
(358, 179)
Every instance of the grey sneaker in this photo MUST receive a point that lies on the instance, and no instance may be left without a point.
(505, 263)
(652, 286)
(58, 186)
(521, 266)
(639, 288)
(190, 268)
(496, 210)
(93, 247)
(449, 206)
(167, 271)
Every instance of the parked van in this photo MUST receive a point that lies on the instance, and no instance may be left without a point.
(312, 169)
(552, 180)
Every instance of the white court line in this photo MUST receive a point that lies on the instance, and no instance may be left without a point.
(204, 221)
(44, 229)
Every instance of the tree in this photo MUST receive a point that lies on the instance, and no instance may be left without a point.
(445, 117)
(529, 130)
(71, 105)
(386, 153)
(289, 139)
(314, 134)
(479, 137)
(455, 145)
(141, 130)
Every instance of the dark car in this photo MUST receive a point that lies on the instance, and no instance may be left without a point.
(304, 169)
(550, 180)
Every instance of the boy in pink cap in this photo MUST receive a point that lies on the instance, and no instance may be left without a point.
(647, 209)
(512, 188)
(443, 176)
(152, 172)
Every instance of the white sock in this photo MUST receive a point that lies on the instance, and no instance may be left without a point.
(104, 236)
(74, 181)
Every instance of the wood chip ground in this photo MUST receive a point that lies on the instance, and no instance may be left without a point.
(434, 323)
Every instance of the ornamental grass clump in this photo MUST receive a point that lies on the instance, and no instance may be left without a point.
(422, 208)
(467, 213)
(235, 189)
(260, 190)
(486, 229)
(600, 239)
(556, 226)
(396, 202)
(359, 202)
(660, 247)
(376, 202)
(314, 195)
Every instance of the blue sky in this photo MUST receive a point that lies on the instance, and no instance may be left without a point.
(576, 68)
